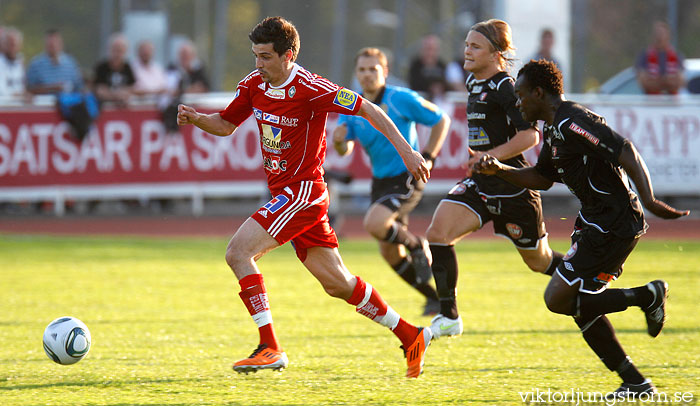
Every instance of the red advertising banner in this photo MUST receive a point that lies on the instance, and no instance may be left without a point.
(132, 146)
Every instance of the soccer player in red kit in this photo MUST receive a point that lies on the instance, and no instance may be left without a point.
(290, 105)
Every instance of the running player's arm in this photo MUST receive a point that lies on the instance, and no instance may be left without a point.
(527, 177)
(540, 177)
(636, 169)
(211, 123)
(379, 120)
(342, 145)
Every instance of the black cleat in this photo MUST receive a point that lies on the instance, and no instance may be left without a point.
(630, 391)
(656, 312)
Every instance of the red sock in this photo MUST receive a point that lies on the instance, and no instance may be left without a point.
(368, 303)
(254, 297)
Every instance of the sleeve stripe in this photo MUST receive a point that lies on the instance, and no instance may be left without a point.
(498, 86)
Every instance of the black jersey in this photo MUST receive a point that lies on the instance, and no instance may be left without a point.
(493, 120)
(581, 151)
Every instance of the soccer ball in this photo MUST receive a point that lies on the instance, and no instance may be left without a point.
(66, 340)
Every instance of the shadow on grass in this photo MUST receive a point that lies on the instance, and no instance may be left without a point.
(93, 384)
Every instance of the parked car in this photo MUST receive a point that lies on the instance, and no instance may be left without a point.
(625, 82)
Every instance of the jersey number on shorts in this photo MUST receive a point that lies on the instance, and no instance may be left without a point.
(276, 203)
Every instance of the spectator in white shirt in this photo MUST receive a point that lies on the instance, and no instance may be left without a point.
(11, 63)
(150, 76)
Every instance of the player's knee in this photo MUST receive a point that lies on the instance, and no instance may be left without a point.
(235, 258)
(557, 304)
(437, 235)
(377, 229)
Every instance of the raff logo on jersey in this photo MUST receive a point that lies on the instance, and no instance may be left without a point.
(278, 94)
(345, 98)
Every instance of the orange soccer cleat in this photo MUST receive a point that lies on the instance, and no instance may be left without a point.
(415, 354)
(262, 358)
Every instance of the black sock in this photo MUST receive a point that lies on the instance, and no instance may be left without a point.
(556, 260)
(640, 296)
(399, 234)
(406, 271)
(629, 372)
(445, 274)
(608, 301)
(600, 336)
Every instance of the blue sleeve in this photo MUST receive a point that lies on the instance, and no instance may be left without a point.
(417, 109)
(346, 120)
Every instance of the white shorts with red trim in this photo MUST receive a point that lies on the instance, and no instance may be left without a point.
(299, 213)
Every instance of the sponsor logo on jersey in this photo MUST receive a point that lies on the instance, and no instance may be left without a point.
(483, 96)
(585, 134)
(477, 137)
(271, 118)
(275, 204)
(345, 98)
(278, 94)
(261, 86)
(492, 85)
(303, 82)
(476, 116)
(290, 122)
(571, 252)
(428, 105)
(514, 230)
(258, 113)
(274, 164)
(524, 240)
(272, 139)
(292, 91)
(477, 88)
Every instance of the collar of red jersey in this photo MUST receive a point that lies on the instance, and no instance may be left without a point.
(292, 74)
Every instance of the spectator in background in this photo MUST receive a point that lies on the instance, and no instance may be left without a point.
(53, 70)
(546, 46)
(114, 78)
(11, 63)
(150, 76)
(192, 75)
(660, 66)
(456, 75)
(427, 71)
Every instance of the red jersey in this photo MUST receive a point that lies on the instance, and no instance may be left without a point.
(292, 122)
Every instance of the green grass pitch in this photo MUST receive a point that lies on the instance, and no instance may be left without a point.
(167, 324)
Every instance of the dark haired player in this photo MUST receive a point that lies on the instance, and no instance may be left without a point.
(290, 105)
(495, 128)
(594, 161)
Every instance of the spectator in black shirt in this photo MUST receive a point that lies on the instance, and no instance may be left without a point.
(193, 76)
(594, 161)
(427, 71)
(114, 78)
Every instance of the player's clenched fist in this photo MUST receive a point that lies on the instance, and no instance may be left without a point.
(186, 114)
(488, 165)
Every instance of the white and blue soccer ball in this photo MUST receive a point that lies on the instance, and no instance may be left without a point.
(66, 340)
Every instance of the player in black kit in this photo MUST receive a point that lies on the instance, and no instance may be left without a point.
(497, 128)
(594, 161)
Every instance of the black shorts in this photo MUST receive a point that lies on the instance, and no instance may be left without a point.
(595, 258)
(517, 217)
(401, 194)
